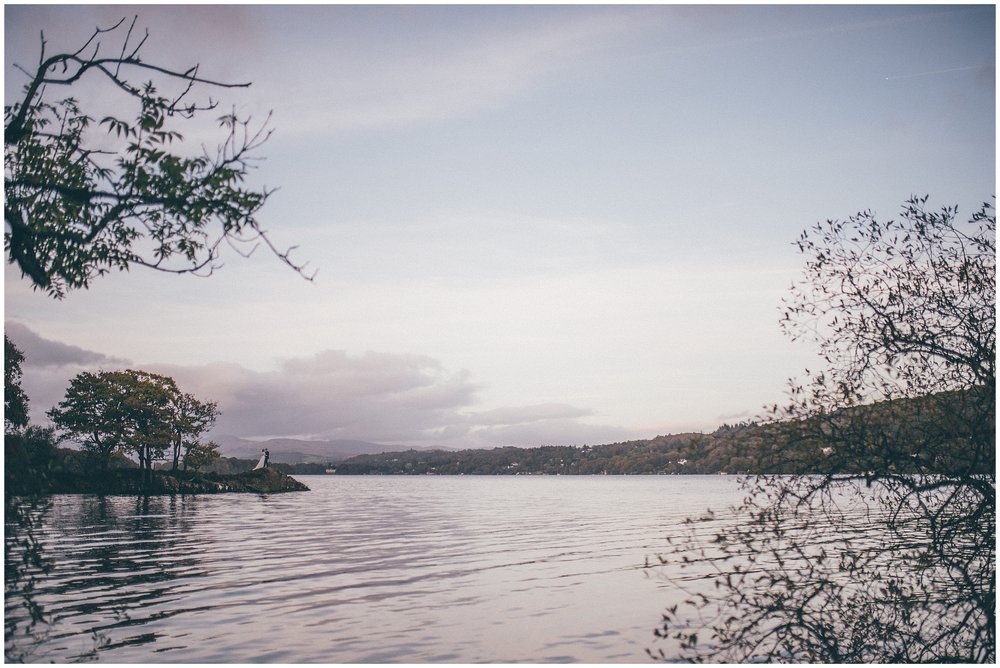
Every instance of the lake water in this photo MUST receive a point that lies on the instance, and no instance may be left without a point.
(366, 569)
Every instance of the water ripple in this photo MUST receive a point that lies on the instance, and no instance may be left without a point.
(373, 569)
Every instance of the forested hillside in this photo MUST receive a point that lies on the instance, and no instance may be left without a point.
(727, 450)
(818, 446)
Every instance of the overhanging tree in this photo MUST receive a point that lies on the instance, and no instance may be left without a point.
(888, 554)
(87, 195)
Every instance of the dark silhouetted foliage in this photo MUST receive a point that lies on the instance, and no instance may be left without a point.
(15, 401)
(87, 195)
(134, 412)
(889, 555)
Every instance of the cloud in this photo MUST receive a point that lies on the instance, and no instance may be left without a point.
(390, 398)
(42, 352)
(529, 426)
(332, 394)
(549, 432)
(527, 414)
(49, 365)
(382, 397)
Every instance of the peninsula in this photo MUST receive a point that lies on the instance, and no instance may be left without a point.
(58, 472)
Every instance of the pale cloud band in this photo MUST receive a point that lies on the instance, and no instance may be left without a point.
(380, 397)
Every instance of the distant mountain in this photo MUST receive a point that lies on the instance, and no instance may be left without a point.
(297, 451)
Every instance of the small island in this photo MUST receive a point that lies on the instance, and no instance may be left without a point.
(131, 482)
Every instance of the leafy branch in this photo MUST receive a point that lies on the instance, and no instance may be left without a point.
(77, 208)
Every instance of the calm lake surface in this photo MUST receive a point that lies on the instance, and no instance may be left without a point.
(367, 569)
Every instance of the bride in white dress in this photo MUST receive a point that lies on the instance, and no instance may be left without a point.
(260, 462)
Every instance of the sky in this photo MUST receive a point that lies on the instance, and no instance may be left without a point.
(532, 225)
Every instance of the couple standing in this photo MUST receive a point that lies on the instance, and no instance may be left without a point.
(265, 457)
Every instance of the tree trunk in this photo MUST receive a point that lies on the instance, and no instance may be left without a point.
(177, 452)
(144, 463)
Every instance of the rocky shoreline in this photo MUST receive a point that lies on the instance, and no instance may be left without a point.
(129, 482)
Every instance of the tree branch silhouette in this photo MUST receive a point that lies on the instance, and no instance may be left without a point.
(76, 209)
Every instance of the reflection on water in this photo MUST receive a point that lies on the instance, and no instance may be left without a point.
(118, 562)
(366, 569)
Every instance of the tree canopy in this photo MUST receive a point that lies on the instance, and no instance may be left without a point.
(191, 418)
(86, 195)
(133, 412)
